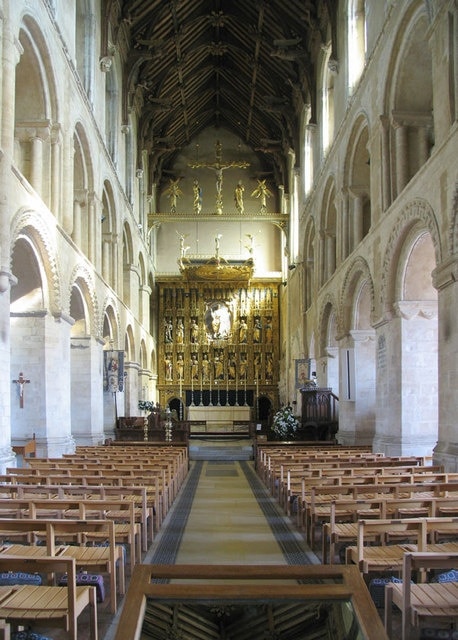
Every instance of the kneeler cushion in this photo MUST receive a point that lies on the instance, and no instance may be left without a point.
(28, 635)
(88, 580)
(8, 578)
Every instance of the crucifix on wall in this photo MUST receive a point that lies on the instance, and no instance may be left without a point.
(219, 166)
(21, 381)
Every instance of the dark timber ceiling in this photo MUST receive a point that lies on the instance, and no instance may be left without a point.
(247, 66)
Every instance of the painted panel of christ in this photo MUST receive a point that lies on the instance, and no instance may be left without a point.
(218, 320)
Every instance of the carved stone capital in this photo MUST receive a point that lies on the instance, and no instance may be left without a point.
(408, 309)
(446, 273)
(360, 335)
(105, 64)
(333, 66)
(7, 280)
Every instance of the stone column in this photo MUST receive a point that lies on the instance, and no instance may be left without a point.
(10, 52)
(330, 254)
(387, 438)
(56, 171)
(385, 162)
(144, 304)
(152, 199)
(347, 401)
(38, 136)
(344, 234)
(407, 391)
(86, 390)
(281, 197)
(77, 223)
(365, 401)
(91, 229)
(116, 281)
(66, 187)
(445, 279)
(141, 197)
(357, 217)
(95, 231)
(106, 260)
(81, 221)
(423, 145)
(327, 369)
(311, 136)
(47, 402)
(56, 385)
(131, 389)
(322, 274)
(402, 166)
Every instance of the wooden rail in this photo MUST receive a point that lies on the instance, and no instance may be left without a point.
(221, 586)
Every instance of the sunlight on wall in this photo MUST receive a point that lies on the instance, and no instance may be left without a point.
(356, 42)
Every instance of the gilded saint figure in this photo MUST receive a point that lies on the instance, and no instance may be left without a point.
(173, 192)
(238, 197)
(262, 192)
(197, 197)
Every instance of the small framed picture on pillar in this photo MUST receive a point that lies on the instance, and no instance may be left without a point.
(113, 371)
(302, 373)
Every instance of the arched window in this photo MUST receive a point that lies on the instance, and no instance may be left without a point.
(309, 138)
(111, 113)
(85, 25)
(327, 100)
(356, 42)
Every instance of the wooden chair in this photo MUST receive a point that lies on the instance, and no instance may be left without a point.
(385, 557)
(421, 601)
(341, 529)
(107, 559)
(47, 605)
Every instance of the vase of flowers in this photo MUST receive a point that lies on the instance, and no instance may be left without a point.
(146, 405)
(285, 424)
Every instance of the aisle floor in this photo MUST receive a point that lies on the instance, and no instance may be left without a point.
(224, 515)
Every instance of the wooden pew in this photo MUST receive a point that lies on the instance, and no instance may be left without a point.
(343, 523)
(109, 559)
(157, 491)
(337, 532)
(418, 602)
(121, 511)
(47, 605)
(144, 509)
(385, 557)
(442, 534)
(317, 506)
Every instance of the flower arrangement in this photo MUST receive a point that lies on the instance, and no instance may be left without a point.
(285, 424)
(146, 405)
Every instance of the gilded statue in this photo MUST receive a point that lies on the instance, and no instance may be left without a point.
(205, 367)
(243, 330)
(194, 332)
(262, 192)
(173, 192)
(197, 197)
(238, 197)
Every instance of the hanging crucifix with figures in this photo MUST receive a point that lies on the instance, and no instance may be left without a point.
(219, 166)
(21, 382)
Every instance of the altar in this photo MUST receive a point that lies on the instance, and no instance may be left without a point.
(223, 419)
